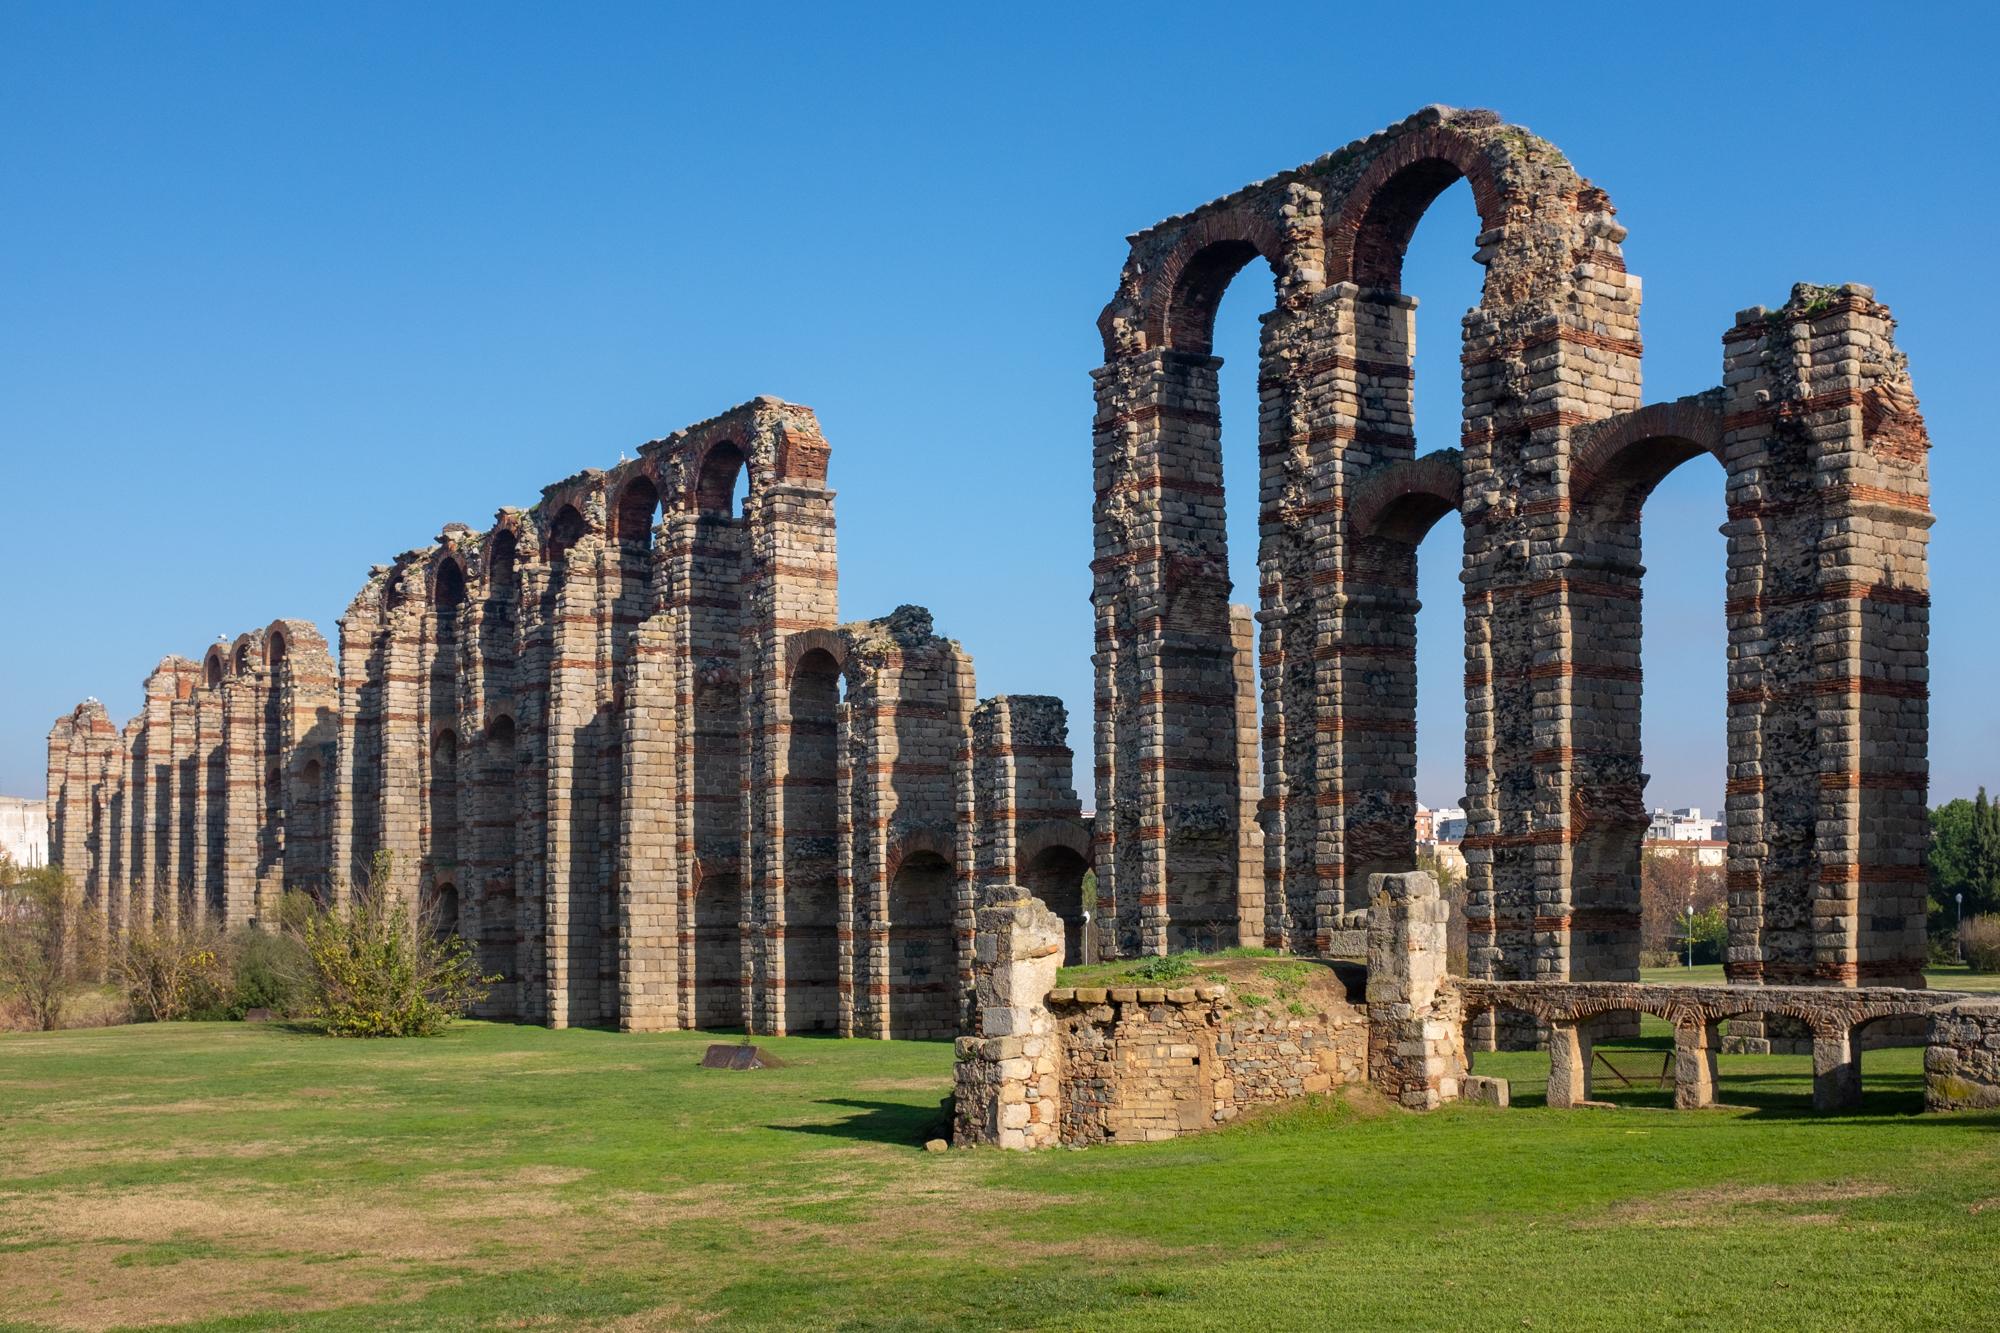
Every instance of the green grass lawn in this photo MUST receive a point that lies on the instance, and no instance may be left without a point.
(234, 1177)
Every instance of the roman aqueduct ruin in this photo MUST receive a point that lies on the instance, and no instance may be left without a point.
(622, 742)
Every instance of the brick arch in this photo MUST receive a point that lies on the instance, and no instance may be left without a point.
(1050, 834)
(441, 582)
(1400, 502)
(806, 641)
(912, 842)
(633, 491)
(1618, 461)
(1367, 235)
(295, 636)
(246, 653)
(563, 527)
(520, 536)
(1179, 298)
(712, 476)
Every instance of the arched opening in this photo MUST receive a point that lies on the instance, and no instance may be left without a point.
(500, 570)
(637, 512)
(240, 664)
(1435, 265)
(450, 594)
(212, 671)
(497, 921)
(444, 803)
(1217, 487)
(811, 860)
(718, 821)
(724, 483)
(273, 828)
(440, 911)
(922, 968)
(1055, 875)
(306, 834)
(566, 529)
(1646, 697)
(718, 949)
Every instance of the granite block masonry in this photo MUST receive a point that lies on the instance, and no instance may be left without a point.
(622, 741)
(1822, 452)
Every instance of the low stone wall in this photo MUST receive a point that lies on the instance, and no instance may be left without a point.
(1962, 1062)
(1143, 1063)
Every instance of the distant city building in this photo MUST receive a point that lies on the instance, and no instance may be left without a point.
(1449, 858)
(1684, 825)
(1447, 824)
(24, 831)
(1702, 851)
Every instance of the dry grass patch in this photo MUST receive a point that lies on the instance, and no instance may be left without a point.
(1729, 1203)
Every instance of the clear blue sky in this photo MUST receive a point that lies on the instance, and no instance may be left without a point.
(285, 288)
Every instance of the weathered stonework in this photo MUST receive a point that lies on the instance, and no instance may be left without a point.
(1962, 1061)
(213, 798)
(1006, 1090)
(1823, 452)
(1837, 1019)
(622, 744)
(1145, 1063)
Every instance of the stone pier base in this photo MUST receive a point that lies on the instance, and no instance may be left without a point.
(1007, 1079)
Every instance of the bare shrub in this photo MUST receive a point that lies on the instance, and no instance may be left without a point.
(170, 973)
(1980, 938)
(48, 943)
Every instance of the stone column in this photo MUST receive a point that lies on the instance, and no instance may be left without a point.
(1569, 1064)
(1836, 1070)
(1695, 1044)
(1416, 1042)
(1008, 1076)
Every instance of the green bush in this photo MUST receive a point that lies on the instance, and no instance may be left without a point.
(1164, 968)
(375, 970)
(268, 970)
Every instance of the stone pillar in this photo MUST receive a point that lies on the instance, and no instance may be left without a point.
(1695, 1044)
(1836, 1070)
(1569, 1064)
(1249, 782)
(653, 817)
(242, 796)
(1008, 1075)
(1416, 1044)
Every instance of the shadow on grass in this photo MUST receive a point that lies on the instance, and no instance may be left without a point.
(882, 1122)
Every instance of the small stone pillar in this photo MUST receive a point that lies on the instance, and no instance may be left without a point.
(1836, 1070)
(1695, 1043)
(1007, 1080)
(1569, 1064)
(1416, 1027)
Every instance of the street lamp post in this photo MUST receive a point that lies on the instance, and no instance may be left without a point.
(1959, 899)
(1690, 933)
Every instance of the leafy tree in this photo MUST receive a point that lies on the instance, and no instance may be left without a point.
(48, 946)
(1964, 859)
(1668, 883)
